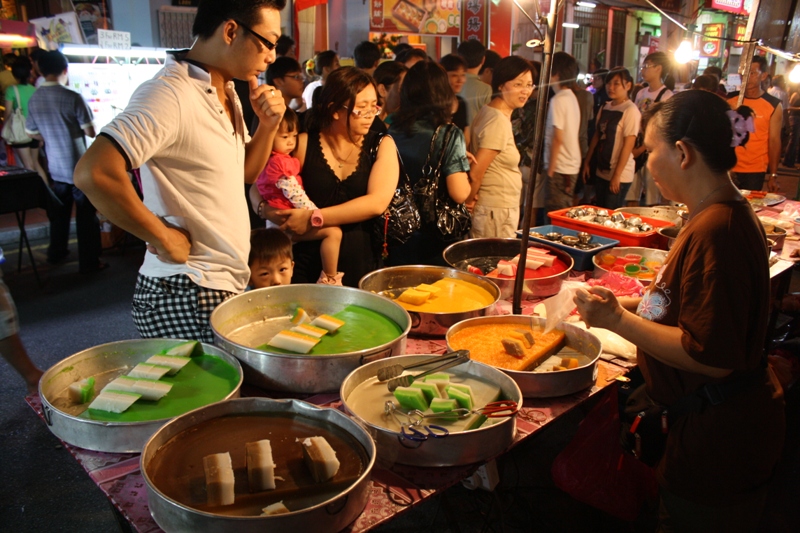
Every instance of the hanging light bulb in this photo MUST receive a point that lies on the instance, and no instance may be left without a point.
(684, 52)
(794, 75)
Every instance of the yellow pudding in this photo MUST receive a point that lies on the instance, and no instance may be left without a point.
(485, 343)
(453, 296)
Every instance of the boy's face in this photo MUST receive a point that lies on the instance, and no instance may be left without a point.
(270, 273)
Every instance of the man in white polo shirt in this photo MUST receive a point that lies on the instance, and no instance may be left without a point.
(184, 130)
(562, 150)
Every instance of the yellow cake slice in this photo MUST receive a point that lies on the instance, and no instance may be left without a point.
(485, 343)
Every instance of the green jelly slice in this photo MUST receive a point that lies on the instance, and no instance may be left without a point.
(411, 398)
(186, 349)
(430, 391)
(464, 399)
(438, 376)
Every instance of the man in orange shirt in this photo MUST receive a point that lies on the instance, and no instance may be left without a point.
(762, 153)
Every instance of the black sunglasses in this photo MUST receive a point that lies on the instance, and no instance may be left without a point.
(266, 42)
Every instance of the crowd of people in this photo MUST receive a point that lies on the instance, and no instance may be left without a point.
(325, 156)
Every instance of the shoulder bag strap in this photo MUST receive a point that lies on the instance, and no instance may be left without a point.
(373, 154)
(660, 94)
(18, 103)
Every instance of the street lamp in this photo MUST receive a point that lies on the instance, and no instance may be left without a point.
(684, 52)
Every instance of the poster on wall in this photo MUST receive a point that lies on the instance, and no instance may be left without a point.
(8, 10)
(710, 43)
(60, 29)
(431, 17)
(93, 15)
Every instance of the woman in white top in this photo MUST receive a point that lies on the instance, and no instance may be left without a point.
(495, 175)
(614, 138)
(324, 63)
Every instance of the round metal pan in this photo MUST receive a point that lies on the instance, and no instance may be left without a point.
(327, 516)
(508, 248)
(461, 448)
(427, 324)
(297, 372)
(548, 384)
(107, 361)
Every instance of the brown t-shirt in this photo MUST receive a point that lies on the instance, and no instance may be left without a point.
(714, 286)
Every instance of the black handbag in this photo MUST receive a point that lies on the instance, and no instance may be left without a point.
(451, 220)
(401, 218)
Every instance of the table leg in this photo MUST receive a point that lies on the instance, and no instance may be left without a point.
(23, 237)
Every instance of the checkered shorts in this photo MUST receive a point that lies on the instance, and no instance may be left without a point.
(175, 307)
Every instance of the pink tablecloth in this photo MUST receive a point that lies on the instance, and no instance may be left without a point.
(391, 491)
(786, 212)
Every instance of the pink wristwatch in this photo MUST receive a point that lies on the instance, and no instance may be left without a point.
(316, 218)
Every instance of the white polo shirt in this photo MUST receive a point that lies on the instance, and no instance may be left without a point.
(192, 165)
(564, 113)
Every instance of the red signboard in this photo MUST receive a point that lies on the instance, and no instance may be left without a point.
(739, 33)
(740, 7)
(710, 43)
(475, 20)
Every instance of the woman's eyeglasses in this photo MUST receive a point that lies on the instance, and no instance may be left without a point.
(365, 113)
(266, 42)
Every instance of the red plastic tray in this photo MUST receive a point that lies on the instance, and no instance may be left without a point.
(650, 239)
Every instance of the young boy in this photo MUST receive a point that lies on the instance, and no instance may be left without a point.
(270, 258)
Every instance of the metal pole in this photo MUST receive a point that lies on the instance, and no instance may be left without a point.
(538, 143)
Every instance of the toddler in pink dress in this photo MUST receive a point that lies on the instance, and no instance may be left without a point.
(281, 187)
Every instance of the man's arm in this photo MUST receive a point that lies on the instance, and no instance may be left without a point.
(102, 175)
(269, 107)
(555, 149)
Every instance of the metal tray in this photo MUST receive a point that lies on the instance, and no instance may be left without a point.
(108, 361)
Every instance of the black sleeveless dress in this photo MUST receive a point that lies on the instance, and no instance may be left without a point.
(357, 254)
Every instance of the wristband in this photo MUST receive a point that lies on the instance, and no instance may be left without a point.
(773, 175)
(316, 218)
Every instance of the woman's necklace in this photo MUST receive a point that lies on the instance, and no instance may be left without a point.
(341, 161)
(706, 197)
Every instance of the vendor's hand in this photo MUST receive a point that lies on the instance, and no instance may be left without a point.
(598, 307)
(550, 172)
(470, 204)
(297, 221)
(772, 184)
(267, 101)
(585, 173)
(174, 246)
(613, 186)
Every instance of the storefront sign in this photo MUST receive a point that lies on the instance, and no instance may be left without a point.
(739, 33)
(476, 20)
(433, 17)
(710, 43)
(740, 7)
(673, 6)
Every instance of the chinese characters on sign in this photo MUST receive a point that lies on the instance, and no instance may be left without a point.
(115, 40)
(434, 17)
(476, 20)
(740, 7)
(710, 44)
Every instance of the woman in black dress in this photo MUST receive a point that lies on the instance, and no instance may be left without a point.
(341, 177)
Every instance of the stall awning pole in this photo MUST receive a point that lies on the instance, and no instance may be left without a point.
(538, 144)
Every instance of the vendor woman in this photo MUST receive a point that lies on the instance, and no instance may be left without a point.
(701, 325)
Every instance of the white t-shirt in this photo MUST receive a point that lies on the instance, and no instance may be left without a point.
(627, 126)
(564, 113)
(191, 158)
(646, 98)
(308, 92)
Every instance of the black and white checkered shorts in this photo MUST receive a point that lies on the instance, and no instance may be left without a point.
(175, 307)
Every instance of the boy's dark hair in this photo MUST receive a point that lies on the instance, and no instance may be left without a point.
(661, 59)
(399, 47)
(281, 67)
(291, 120)
(706, 82)
(9, 59)
(283, 45)
(36, 53)
(408, 53)
(425, 94)
(473, 52)
(509, 68)
(21, 70)
(714, 71)
(52, 63)
(366, 54)
(566, 67)
(323, 60)
(269, 244)
(452, 62)
(212, 13)
(491, 59)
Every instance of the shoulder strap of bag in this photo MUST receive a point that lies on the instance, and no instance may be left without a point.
(660, 94)
(373, 154)
(18, 102)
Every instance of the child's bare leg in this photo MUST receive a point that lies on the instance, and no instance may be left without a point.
(329, 247)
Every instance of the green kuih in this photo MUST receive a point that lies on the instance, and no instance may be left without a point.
(442, 405)
(82, 391)
(464, 399)
(430, 390)
(438, 376)
(411, 398)
(186, 349)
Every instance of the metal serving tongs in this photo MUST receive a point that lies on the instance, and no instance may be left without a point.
(498, 409)
(448, 361)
